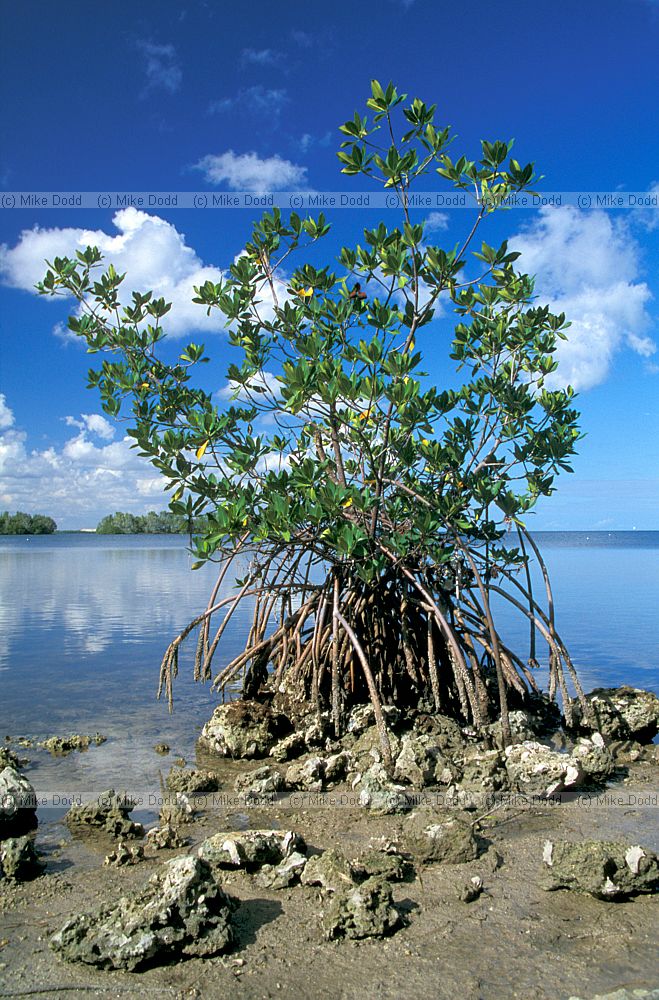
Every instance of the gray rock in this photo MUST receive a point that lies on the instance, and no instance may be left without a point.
(9, 759)
(605, 869)
(308, 774)
(483, 770)
(176, 811)
(331, 870)
(124, 855)
(109, 813)
(261, 783)
(162, 748)
(18, 803)
(595, 758)
(623, 994)
(165, 837)
(362, 717)
(536, 770)
(251, 849)
(379, 794)
(361, 911)
(19, 859)
(623, 713)
(291, 746)
(191, 781)
(472, 890)
(337, 766)
(391, 866)
(180, 911)
(243, 729)
(522, 727)
(282, 876)
(436, 838)
(418, 760)
(60, 746)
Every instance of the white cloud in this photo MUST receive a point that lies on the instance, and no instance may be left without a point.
(586, 265)
(648, 214)
(436, 221)
(150, 250)
(248, 172)
(6, 416)
(161, 67)
(256, 99)
(309, 141)
(261, 57)
(80, 482)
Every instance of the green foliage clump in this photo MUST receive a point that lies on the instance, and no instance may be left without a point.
(26, 524)
(371, 504)
(153, 523)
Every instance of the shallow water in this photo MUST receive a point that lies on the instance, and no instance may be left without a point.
(84, 621)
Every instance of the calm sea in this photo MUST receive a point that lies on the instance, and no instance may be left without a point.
(84, 621)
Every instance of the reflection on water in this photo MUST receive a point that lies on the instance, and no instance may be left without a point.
(84, 622)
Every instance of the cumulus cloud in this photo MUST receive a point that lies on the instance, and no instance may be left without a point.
(308, 141)
(160, 66)
(150, 250)
(586, 265)
(248, 172)
(257, 100)
(262, 57)
(436, 221)
(6, 416)
(81, 481)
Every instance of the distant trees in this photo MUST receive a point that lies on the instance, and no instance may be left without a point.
(153, 523)
(26, 524)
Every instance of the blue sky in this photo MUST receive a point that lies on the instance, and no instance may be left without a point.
(203, 96)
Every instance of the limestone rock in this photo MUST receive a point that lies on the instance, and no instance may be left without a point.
(290, 747)
(19, 859)
(176, 810)
(18, 804)
(282, 876)
(436, 838)
(331, 870)
(308, 774)
(418, 760)
(164, 837)
(162, 748)
(109, 813)
(192, 782)
(9, 759)
(243, 729)
(337, 766)
(605, 869)
(622, 713)
(536, 770)
(180, 911)
(124, 855)
(361, 911)
(595, 758)
(391, 866)
(379, 794)
(251, 849)
(63, 745)
(262, 782)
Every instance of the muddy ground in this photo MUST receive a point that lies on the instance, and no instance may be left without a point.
(515, 941)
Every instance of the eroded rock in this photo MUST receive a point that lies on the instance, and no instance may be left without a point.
(536, 770)
(436, 838)
(180, 911)
(308, 774)
(595, 758)
(361, 911)
(331, 870)
(192, 782)
(176, 811)
(63, 745)
(124, 855)
(262, 782)
(18, 804)
(109, 813)
(389, 865)
(623, 713)
(19, 859)
(250, 849)
(165, 837)
(379, 794)
(605, 869)
(244, 730)
(282, 876)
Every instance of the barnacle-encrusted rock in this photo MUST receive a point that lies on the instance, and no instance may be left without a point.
(420, 761)
(392, 866)
(536, 770)
(109, 813)
(62, 745)
(337, 766)
(162, 748)
(124, 855)
(250, 849)
(180, 911)
(9, 759)
(192, 782)
(483, 770)
(439, 838)
(361, 911)
(307, 774)
(291, 746)
(595, 758)
(331, 870)
(18, 803)
(622, 713)
(19, 859)
(176, 810)
(379, 794)
(243, 729)
(605, 869)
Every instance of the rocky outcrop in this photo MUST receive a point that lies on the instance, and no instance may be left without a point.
(19, 859)
(165, 837)
(361, 911)
(623, 713)
(282, 876)
(605, 869)
(379, 794)
(60, 746)
(437, 838)
(109, 813)
(192, 782)
(534, 769)
(308, 775)
(18, 804)
(330, 870)
(124, 855)
(244, 730)
(262, 783)
(181, 911)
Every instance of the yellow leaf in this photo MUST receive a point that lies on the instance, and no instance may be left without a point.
(365, 416)
(202, 450)
(144, 385)
(425, 441)
(179, 493)
(348, 502)
(305, 293)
